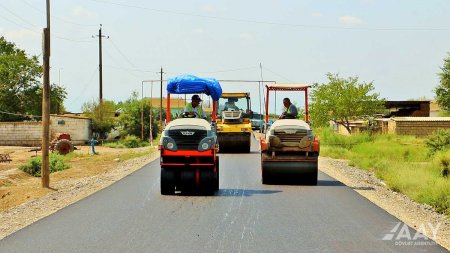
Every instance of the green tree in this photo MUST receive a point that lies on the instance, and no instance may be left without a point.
(20, 87)
(102, 115)
(343, 100)
(443, 89)
(130, 117)
(34, 104)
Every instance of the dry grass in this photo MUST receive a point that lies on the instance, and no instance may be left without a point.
(17, 187)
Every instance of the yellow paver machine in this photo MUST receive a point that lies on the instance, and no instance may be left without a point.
(234, 128)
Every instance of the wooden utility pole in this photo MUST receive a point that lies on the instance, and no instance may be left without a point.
(45, 172)
(160, 101)
(142, 110)
(151, 109)
(100, 65)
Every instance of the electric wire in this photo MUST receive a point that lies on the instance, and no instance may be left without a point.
(57, 17)
(277, 23)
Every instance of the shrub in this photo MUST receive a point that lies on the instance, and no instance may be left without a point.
(130, 141)
(439, 140)
(33, 166)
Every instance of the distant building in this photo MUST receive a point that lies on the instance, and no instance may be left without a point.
(30, 133)
(435, 110)
(408, 109)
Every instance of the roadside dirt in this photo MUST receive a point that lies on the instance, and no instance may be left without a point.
(23, 200)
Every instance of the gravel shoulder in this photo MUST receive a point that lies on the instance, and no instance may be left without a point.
(366, 184)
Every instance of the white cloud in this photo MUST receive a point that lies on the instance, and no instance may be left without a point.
(198, 30)
(21, 34)
(246, 36)
(350, 20)
(79, 11)
(316, 14)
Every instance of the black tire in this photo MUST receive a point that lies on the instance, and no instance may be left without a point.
(312, 180)
(207, 182)
(64, 146)
(216, 179)
(167, 182)
(265, 178)
(187, 180)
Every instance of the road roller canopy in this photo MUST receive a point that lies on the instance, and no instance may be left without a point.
(288, 87)
(190, 84)
(235, 95)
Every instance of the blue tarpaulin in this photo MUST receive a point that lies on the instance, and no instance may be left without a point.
(189, 84)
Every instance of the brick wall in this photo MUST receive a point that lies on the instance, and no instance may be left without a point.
(419, 128)
(29, 133)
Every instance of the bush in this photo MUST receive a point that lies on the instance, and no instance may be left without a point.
(439, 140)
(130, 141)
(33, 166)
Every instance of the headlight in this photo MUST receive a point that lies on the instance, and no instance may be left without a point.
(169, 143)
(206, 144)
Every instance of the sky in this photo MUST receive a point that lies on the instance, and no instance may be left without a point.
(398, 45)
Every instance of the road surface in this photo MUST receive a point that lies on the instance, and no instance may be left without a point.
(244, 216)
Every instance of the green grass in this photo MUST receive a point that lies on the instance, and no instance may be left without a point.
(404, 163)
(129, 141)
(56, 163)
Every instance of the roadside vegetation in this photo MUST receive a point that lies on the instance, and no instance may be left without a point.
(130, 141)
(56, 163)
(418, 168)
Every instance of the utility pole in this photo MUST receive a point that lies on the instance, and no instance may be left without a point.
(45, 172)
(151, 109)
(100, 36)
(160, 101)
(142, 110)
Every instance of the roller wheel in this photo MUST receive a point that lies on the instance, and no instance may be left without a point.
(207, 181)
(167, 182)
(264, 175)
(216, 179)
(313, 178)
(64, 147)
(187, 180)
(246, 148)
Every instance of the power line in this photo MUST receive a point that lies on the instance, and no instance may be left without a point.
(85, 86)
(13, 22)
(55, 36)
(122, 54)
(128, 69)
(18, 16)
(277, 23)
(230, 70)
(73, 40)
(53, 16)
(18, 114)
(287, 79)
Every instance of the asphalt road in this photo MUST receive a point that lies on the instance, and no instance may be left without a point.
(244, 216)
